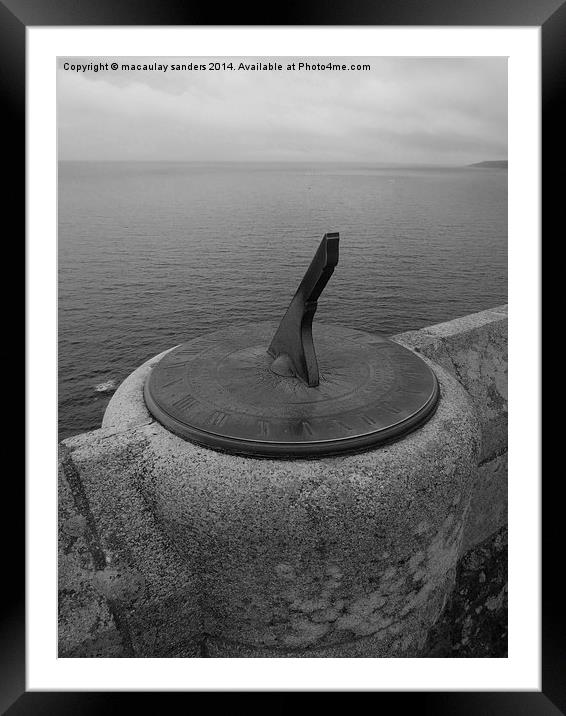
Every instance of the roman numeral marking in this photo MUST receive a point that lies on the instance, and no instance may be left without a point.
(217, 418)
(185, 403)
(368, 420)
(306, 427)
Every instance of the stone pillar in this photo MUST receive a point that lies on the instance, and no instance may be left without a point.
(179, 550)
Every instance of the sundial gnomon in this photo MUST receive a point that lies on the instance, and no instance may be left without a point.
(292, 389)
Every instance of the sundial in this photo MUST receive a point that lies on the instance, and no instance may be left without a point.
(262, 389)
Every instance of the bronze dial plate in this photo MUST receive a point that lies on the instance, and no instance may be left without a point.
(218, 390)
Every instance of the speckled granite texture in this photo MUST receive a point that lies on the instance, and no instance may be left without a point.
(474, 349)
(170, 549)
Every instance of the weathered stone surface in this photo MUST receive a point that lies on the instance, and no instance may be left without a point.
(474, 623)
(401, 639)
(125, 410)
(474, 349)
(137, 576)
(488, 509)
(86, 626)
(293, 555)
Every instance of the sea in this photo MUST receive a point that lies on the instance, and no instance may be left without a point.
(151, 254)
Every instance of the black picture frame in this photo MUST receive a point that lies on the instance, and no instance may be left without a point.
(15, 17)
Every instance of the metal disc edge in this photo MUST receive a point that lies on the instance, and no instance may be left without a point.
(304, 450)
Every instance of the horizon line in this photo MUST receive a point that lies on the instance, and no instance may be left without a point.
(283, 161)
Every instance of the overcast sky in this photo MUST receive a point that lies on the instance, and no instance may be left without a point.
(405, 110)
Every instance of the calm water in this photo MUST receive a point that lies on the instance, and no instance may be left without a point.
(152, 254)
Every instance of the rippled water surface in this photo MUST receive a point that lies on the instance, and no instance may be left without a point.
(152, 254)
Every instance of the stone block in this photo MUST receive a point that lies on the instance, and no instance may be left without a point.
(474, 349)
(314, 554)
(137, 576)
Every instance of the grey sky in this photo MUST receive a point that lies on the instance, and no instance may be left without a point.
(406, 110)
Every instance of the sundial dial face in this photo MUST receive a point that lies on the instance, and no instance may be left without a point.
(219, 391)
(260, 390)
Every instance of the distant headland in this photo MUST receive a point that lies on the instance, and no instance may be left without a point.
(494, 164)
